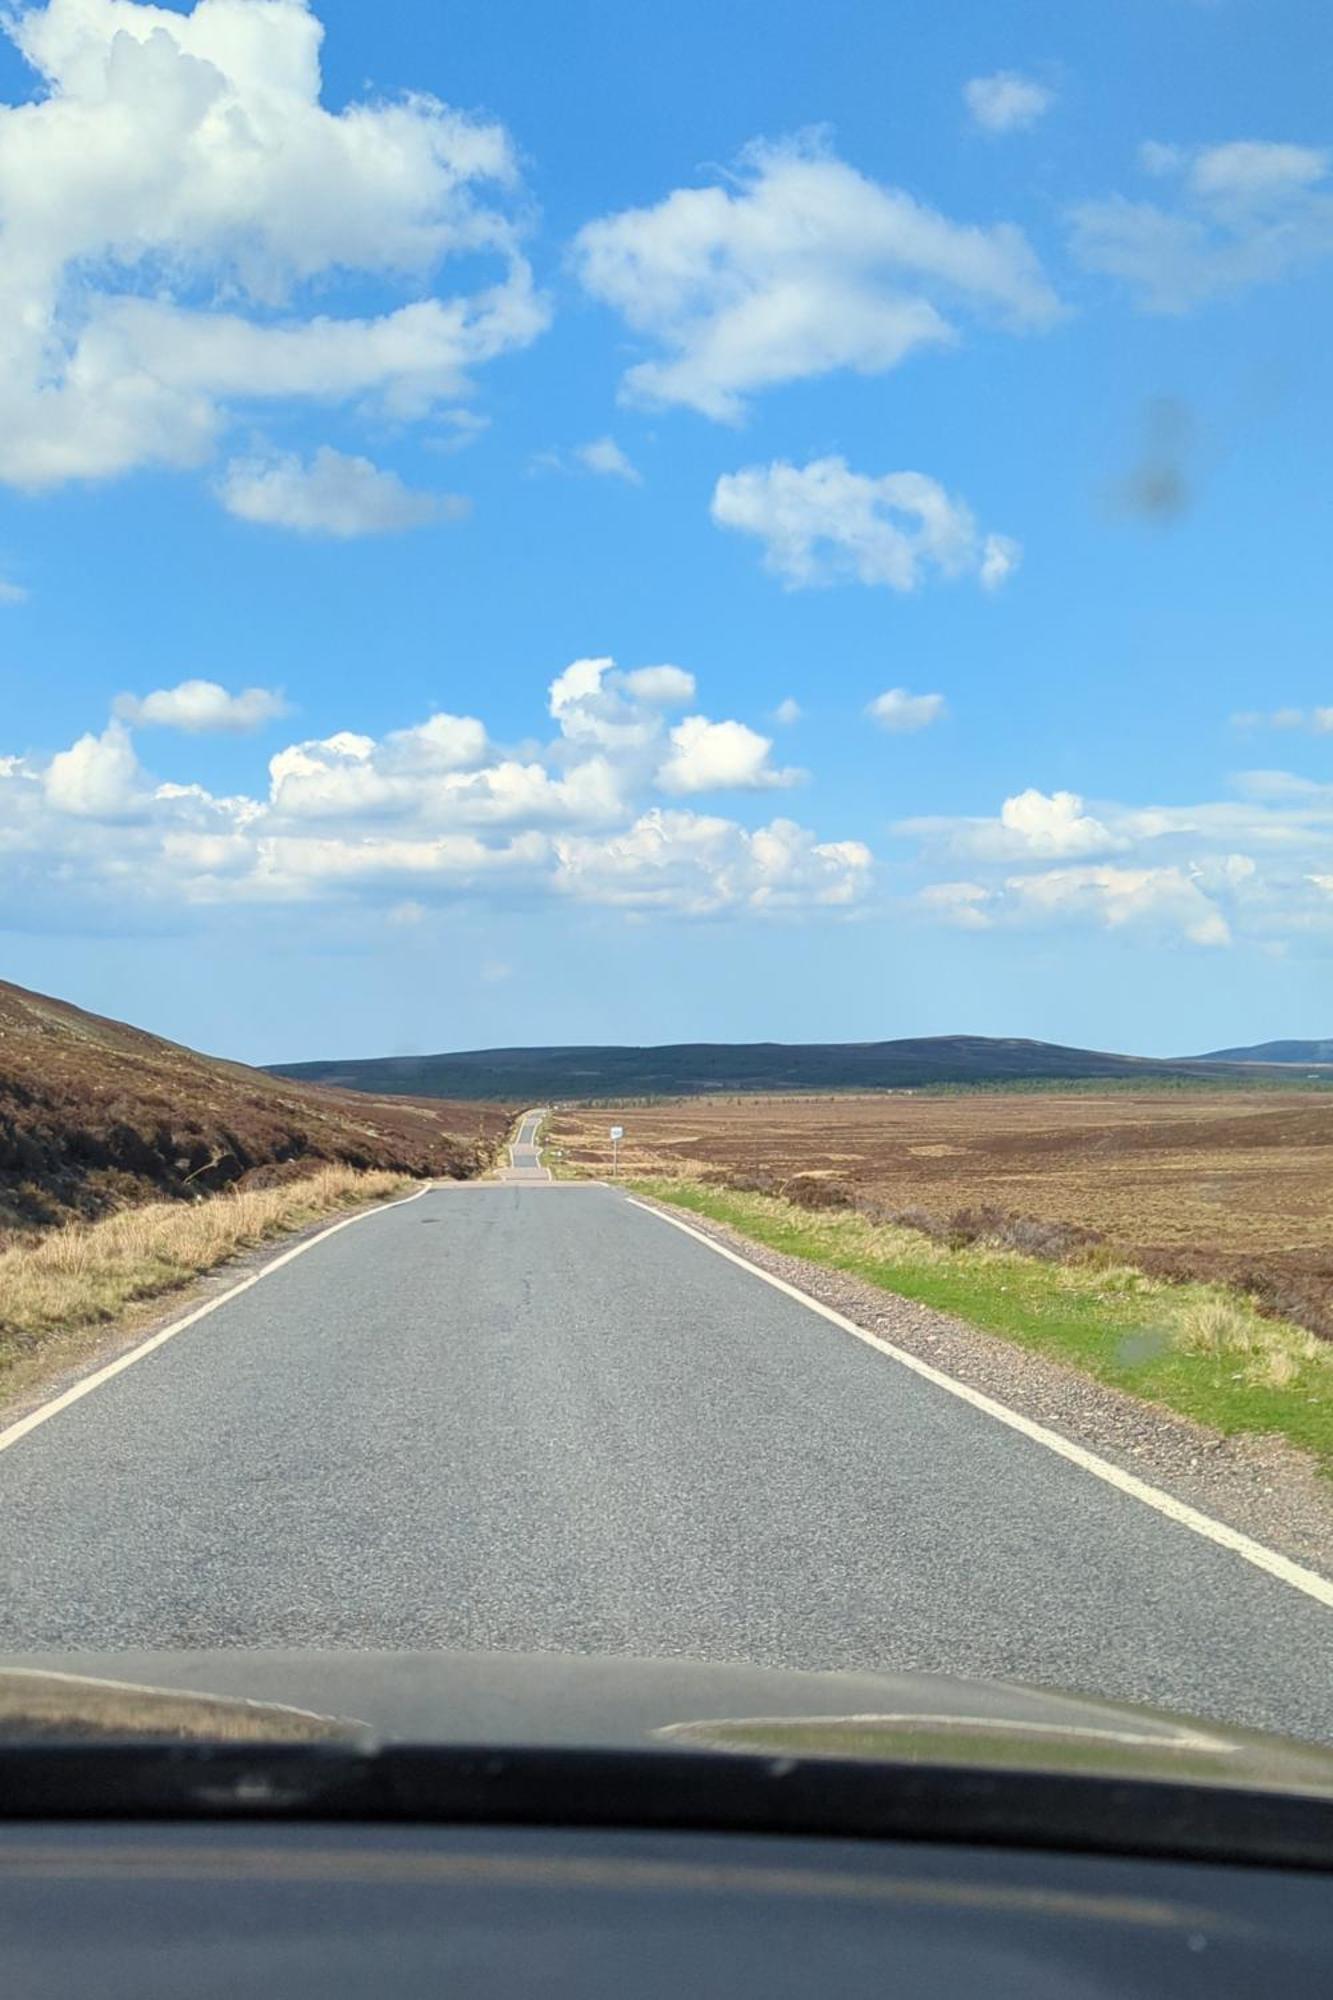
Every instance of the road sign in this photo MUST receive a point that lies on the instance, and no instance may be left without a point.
(617, 1131)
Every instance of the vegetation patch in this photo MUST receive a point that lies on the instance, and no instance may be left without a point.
(1198, 1349)
(96, 1115)
(1223, 1188)
(90, 1273)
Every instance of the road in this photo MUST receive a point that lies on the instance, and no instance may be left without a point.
(540, 1418)
(525, 1160)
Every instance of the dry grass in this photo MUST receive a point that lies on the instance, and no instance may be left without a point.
(90, 1273)
(1271, 1355)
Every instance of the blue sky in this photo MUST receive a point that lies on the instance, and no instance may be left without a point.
(941, 394)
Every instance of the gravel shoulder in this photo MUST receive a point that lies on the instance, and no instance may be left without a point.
(1260, 1485)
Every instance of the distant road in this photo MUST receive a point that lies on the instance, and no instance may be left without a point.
(525, 1160)
(543, 1419)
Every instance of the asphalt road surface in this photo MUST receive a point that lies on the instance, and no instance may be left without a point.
(538, 1418)
(525, 1160)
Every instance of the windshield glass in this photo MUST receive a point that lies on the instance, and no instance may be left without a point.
(666, 877)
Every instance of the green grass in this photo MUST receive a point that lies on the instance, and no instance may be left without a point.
(1198, 1349)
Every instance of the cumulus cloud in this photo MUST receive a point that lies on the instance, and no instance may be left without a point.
(1053, 823)
(423, 814)
(595, 704)
(822, 523)
(176, 201)
(1205, 873)
(701, 866)
(716, 756)
(796, 266)
(96, 778)
(1116, 897)
(201, 708)
(663, 687)
(1241, 214)
(900, 711)
(335, 494)
(1030, 823)
(787, 712)
(1006, 101)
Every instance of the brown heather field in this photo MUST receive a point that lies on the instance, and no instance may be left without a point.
(1227, 1185)
(96, 1116)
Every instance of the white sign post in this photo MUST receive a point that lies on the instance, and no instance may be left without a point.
(617, 1134)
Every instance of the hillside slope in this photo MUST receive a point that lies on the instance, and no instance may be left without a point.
(95, 1114)
(680, 1069)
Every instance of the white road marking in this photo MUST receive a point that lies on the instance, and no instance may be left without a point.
(45, 1411)
(1306, 1580)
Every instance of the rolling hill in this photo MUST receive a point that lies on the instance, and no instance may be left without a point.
(95, 1114)
(684, 1069)
(1273, 1052)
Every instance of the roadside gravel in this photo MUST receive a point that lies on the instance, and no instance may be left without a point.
(1260, 1485)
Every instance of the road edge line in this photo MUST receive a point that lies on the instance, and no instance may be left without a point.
(87, 1383)
(1308, 1581)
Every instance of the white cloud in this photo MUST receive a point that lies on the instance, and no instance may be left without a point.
(1006, 101)
(1031, 823)
(787, 712)
(1255, 170)
(1245, 213)
(664, 687)
(714, 756)
(896, 709)
(1205, 873)
(798, 265)
(12, 593)
(1000, 557)
(442, 773)
(96, 778)
(403, 822)
(1116, 897)
(1053, 823)
(335, 495)
(201, 707)
(700, 866)
(177, 202)
(823, 523)
(603, 455)
(594, 703)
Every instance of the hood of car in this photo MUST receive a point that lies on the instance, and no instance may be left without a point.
(564, 1701)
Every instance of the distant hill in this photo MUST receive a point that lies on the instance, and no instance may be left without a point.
(686, 1068)
(1272, 1052)
(95, 1114)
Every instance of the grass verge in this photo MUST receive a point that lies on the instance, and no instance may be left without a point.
(1197, 1349)
(91, 1274)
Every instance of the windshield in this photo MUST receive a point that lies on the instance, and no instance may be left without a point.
(666, 872)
